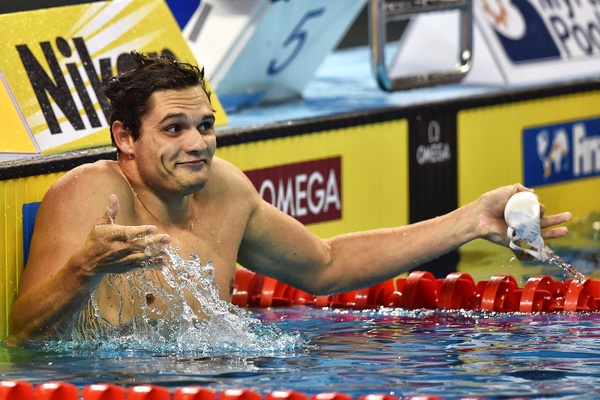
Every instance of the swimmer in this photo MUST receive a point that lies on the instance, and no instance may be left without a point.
(167, 188)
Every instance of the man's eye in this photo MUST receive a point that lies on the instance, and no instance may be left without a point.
(205, 126)
(173, 128)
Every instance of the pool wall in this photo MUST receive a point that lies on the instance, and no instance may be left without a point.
(389, 166)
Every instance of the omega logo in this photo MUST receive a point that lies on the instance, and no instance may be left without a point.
(436, 151)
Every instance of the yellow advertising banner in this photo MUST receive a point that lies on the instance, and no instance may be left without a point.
(56, 60)
(16, 138)
(493, 152)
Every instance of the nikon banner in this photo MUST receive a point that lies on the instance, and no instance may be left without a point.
(55, 62)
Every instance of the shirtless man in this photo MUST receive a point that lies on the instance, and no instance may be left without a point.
(167, 189)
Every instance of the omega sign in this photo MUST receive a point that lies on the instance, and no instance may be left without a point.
(309, 191)
(435, 151)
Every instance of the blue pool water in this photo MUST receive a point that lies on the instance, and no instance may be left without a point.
(404, 353)
(450, 354)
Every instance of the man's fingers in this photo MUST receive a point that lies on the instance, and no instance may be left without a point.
(152, 244)
(555, 233)
(131, 238)
(140, 236)
(136, 233)
(555, 219)
(144, 249)
(129, 260)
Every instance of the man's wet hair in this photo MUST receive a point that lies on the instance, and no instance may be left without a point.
(129, 91)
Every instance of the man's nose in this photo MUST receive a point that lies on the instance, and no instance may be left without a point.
(194, 140)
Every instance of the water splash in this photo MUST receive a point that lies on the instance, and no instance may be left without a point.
(546, 254)
(194, 321)
(550, 256)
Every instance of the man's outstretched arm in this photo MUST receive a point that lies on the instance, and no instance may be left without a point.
(280, 247)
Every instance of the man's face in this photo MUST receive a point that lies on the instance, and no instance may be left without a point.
(177, 141)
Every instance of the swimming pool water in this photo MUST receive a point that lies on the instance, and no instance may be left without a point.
(398, 352)
(450, 354)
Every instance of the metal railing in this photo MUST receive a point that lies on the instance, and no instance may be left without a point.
(382, 12)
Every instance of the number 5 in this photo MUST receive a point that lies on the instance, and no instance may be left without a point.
(298, 35)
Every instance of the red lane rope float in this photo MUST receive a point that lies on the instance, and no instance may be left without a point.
(541, 293)
(147, 392)
(421, 290)
(17, 390)
(286, 395)
(103, 392)
(582, 296)
(457, 292)
(56, 391)
(193, 393)
(499, 294)
(20, 390)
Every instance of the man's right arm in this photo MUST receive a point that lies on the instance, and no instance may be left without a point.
(75, 244)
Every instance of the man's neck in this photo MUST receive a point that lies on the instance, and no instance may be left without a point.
(166, 209)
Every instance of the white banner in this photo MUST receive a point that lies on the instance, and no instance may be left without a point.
(540, 40)
(515, 41)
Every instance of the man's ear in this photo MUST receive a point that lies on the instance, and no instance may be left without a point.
(123, 137)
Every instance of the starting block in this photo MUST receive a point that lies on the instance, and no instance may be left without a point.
(263, 51)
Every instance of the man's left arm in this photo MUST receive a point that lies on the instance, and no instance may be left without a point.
(277, 245)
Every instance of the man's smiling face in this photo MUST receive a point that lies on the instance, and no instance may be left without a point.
(177, 140)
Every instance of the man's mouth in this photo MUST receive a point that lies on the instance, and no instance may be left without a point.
(193, 163)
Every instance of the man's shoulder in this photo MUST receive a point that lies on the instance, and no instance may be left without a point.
(230, 184)
(81, 195)
(228, 174)
(90, 178)
(101, 166)
(103, 169)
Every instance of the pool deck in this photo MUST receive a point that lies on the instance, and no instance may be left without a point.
(345, 83)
